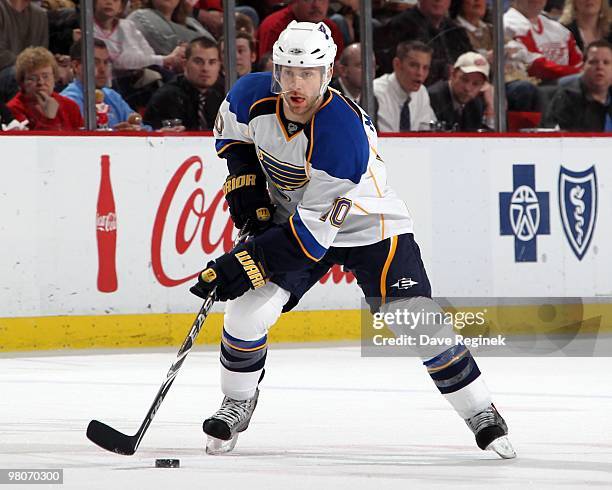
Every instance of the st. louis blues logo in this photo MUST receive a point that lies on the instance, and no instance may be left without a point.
(404, 283)
(578, 207)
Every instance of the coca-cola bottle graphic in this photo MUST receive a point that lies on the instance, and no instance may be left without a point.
(106, 231)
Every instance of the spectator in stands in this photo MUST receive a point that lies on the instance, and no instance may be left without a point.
(119, 111)
(245, 53)
(427, 22)
(585, 103)
(302, 11)
(128, 48)
(470, 15)
(210, 14)
(348, 80)
(167, 23)
(195, 97)
(459, 103)
(22, 24)
(548, 47)
(587, 20)
(402, 97)
(36, 101)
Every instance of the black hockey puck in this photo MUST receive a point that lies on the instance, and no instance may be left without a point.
(167, 463)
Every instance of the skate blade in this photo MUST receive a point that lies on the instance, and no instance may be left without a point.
(502, 447)
(218, 446)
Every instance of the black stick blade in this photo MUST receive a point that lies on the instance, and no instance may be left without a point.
(110, 439)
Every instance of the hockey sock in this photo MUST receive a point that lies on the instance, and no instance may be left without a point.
(456, 375)
(242, 363)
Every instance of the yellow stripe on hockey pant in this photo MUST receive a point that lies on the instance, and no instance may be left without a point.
(383, 276)
(452, 361)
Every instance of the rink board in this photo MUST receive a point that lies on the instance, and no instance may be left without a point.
(466, 196)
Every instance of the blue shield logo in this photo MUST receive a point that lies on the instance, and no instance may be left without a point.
(578, 207)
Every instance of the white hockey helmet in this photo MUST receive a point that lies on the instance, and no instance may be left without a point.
(304, 45)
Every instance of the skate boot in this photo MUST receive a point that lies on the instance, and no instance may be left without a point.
(491, 432)
(224, 426)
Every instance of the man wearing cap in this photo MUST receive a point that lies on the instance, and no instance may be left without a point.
(459, 103)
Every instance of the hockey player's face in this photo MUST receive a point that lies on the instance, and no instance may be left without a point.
(302, 87)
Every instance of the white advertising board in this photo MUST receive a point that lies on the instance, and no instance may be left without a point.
(494, 217)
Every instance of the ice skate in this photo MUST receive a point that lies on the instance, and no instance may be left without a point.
(491, 432)
(226, 424)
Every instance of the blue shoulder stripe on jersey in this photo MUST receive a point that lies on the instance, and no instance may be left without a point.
(308, 242)
(339, 145)
(246, 91)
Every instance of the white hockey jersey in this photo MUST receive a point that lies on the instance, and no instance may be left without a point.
(326, 178)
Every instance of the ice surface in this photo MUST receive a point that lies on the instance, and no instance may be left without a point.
(327, 419)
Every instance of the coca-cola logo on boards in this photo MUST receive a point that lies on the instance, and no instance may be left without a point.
(107, 222)
(200, 215)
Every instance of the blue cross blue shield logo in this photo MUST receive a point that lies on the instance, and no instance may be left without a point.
(524, 213)
(578, 207)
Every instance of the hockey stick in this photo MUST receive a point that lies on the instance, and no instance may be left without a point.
(111, 439)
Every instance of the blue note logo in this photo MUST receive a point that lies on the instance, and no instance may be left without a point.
(578, 207)
(524, 213)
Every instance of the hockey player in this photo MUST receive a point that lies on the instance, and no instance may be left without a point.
(306, 179)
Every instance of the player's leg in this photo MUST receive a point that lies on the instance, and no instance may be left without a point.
(393, 278)
(243, 355)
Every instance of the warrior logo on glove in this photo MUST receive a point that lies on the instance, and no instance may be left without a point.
(254, 272)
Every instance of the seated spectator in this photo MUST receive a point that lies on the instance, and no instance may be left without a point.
(195, 97)
(209, 13)
(587, 20)
(427, 22)
(168, 23)
(128, 48)
(549, 48)
(22, 24)
(470, 15)
(458, 102)
(348, 80)
(303, 11)
(585, 103)
(245, 53)
(36, 101)
(119, 112)
(402, 97)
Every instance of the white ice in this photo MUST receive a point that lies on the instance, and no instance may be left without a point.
(327, 419)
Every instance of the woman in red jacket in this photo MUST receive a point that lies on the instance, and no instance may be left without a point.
(36, 101)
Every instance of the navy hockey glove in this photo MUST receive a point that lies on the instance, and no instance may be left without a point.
(233, 274)
(249, 201)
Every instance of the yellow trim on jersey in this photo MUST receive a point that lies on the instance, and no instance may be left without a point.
(280, 122)
(232, 143)
(359, 207)
(383, 276)
(452, 361)
(300, 241)
(382, 216)
(261, 100)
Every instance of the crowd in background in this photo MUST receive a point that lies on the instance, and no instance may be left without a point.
(158, 63)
